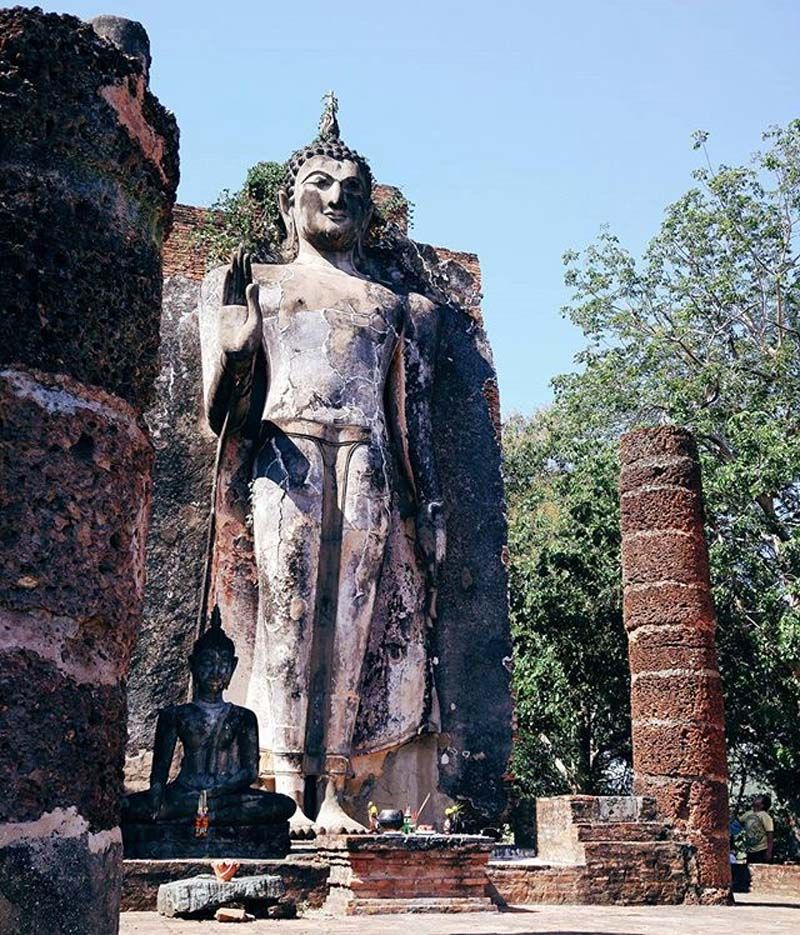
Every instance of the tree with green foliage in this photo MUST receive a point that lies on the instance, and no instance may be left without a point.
(702, 331)
(571, 667)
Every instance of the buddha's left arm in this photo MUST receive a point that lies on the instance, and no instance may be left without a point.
(419, 352)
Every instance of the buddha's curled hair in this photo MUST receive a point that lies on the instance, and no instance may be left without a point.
(335, 149)
(327, 143)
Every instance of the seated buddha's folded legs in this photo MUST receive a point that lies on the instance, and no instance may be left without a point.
(246, 807)
(251, 807)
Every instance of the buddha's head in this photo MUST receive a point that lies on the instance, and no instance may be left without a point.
(213, 659)
(326, 198)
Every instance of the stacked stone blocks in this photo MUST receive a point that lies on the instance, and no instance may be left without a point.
(604, 850)
(678, 726)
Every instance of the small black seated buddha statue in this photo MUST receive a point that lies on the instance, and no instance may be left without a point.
(219, 765)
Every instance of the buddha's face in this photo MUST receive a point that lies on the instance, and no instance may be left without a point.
(212, 669)
(331, 205)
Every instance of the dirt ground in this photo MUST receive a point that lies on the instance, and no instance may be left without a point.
(760, 915)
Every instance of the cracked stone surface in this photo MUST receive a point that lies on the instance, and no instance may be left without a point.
(204, 893)
(466, 751)
(89, 168)
(88, 172)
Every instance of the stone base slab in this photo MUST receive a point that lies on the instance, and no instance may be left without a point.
(202, 895)
(304, 877)
(375, 907)
(391, 873)
(175, 840)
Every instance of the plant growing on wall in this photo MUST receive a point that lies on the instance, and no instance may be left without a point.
(250, 216)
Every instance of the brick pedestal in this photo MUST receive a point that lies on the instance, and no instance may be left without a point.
(600, 850)
(390, 873)
(88, 169)
(678, 725)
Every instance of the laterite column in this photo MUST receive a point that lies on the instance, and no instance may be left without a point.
(676, 696)
(88, 171)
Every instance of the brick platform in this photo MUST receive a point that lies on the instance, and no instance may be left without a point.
(774, 880)
(388, 873)
(603, 850)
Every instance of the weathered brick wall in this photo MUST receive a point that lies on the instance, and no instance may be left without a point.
(621, 874)
(182, 256)
(775, 880)
(604, 850)
(678, 723)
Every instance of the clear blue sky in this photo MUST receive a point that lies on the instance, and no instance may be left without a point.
(517, 128)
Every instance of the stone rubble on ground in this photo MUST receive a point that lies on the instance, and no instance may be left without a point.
(204, 893)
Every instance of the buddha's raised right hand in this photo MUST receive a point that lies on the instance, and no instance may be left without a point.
(240, 315)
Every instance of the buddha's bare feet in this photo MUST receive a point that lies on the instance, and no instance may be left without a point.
(333, 819)
(301, 828)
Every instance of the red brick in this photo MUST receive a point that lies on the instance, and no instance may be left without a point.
(673, 661)
(666, 441)
(689, 696)
(661, 508)
(680, 472)
(686, 749)
(713, 859)
(698, 804)
(668, 604)
(694, 649)
(668, 556)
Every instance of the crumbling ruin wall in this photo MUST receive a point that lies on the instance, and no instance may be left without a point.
(88, 172)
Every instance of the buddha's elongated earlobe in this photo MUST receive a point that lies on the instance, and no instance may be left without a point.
(285, 204)
(359, 253)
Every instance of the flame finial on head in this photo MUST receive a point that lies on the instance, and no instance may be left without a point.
(214, 637)
(327, 142)
(328, 124)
